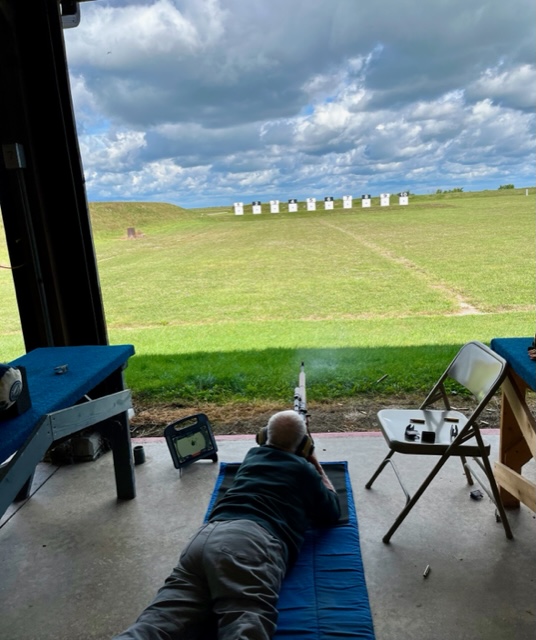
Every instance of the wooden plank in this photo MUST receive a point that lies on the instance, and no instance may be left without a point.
(520, 488)
(21, 466)
(518, 427)
(73, 419)
(522, 414)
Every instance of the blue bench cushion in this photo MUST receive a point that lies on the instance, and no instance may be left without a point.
(515, 352)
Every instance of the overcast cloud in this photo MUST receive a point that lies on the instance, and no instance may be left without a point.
(209, 102)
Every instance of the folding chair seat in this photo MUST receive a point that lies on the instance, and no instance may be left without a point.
(445, 432)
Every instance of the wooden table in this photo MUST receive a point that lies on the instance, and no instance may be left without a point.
(518, 425)
(90, 392)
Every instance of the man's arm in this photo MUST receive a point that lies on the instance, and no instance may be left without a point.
(325, 480)
(327, 507)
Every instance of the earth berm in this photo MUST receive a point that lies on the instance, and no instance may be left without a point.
(356, 414)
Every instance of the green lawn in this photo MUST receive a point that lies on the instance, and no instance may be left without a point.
(223, 307)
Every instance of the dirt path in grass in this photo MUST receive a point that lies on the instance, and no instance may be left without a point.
(464, 307)
(357, 414)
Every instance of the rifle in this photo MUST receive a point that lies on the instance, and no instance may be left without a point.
(300, 406)
(300, 395)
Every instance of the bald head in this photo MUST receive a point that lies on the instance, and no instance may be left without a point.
(286, 430)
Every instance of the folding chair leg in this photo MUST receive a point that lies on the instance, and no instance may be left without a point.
(500, 509)
(379, 469)
(411, 503)
(489, 473)
(494, 488)
(467, 471)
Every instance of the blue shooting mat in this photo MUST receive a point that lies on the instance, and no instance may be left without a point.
(324, 595)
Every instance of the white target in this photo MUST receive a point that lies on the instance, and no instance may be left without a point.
(311, 204)
(274, 206)
(328, 202)
(403, 198)
(365, 200)
(384, 199)
(256, 206)
(239, 208)
(347, 202)
(293, 204)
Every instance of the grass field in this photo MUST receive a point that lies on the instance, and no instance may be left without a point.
(223, 307)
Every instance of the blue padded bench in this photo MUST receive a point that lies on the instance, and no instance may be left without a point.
(90, 392)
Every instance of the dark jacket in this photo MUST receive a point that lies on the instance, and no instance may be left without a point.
(282, 492)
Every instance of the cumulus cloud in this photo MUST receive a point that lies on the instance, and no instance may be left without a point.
(209, 102)
(513, 87)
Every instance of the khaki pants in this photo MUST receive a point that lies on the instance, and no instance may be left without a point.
(228, 578)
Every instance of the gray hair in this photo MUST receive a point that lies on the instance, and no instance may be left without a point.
(286, 430)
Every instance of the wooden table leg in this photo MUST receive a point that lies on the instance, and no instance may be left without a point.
(517, 445)
(118, 434)
(123, 458)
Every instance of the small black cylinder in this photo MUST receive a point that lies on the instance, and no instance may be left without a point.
(139, 454)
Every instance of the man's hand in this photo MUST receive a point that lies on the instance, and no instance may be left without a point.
(325, 480)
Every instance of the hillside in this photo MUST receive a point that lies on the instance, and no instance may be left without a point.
(111, 217)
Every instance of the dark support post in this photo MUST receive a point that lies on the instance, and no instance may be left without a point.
(42, 191)
(117, 432)
(119, 436)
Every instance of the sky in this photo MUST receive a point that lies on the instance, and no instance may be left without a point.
(210, 102)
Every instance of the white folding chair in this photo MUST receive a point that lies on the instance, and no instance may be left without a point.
(445, 432)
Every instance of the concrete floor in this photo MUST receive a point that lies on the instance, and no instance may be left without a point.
(77, 564)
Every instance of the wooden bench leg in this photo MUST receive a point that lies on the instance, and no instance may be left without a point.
(119, 437)
(516, 422)
(25, 490)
